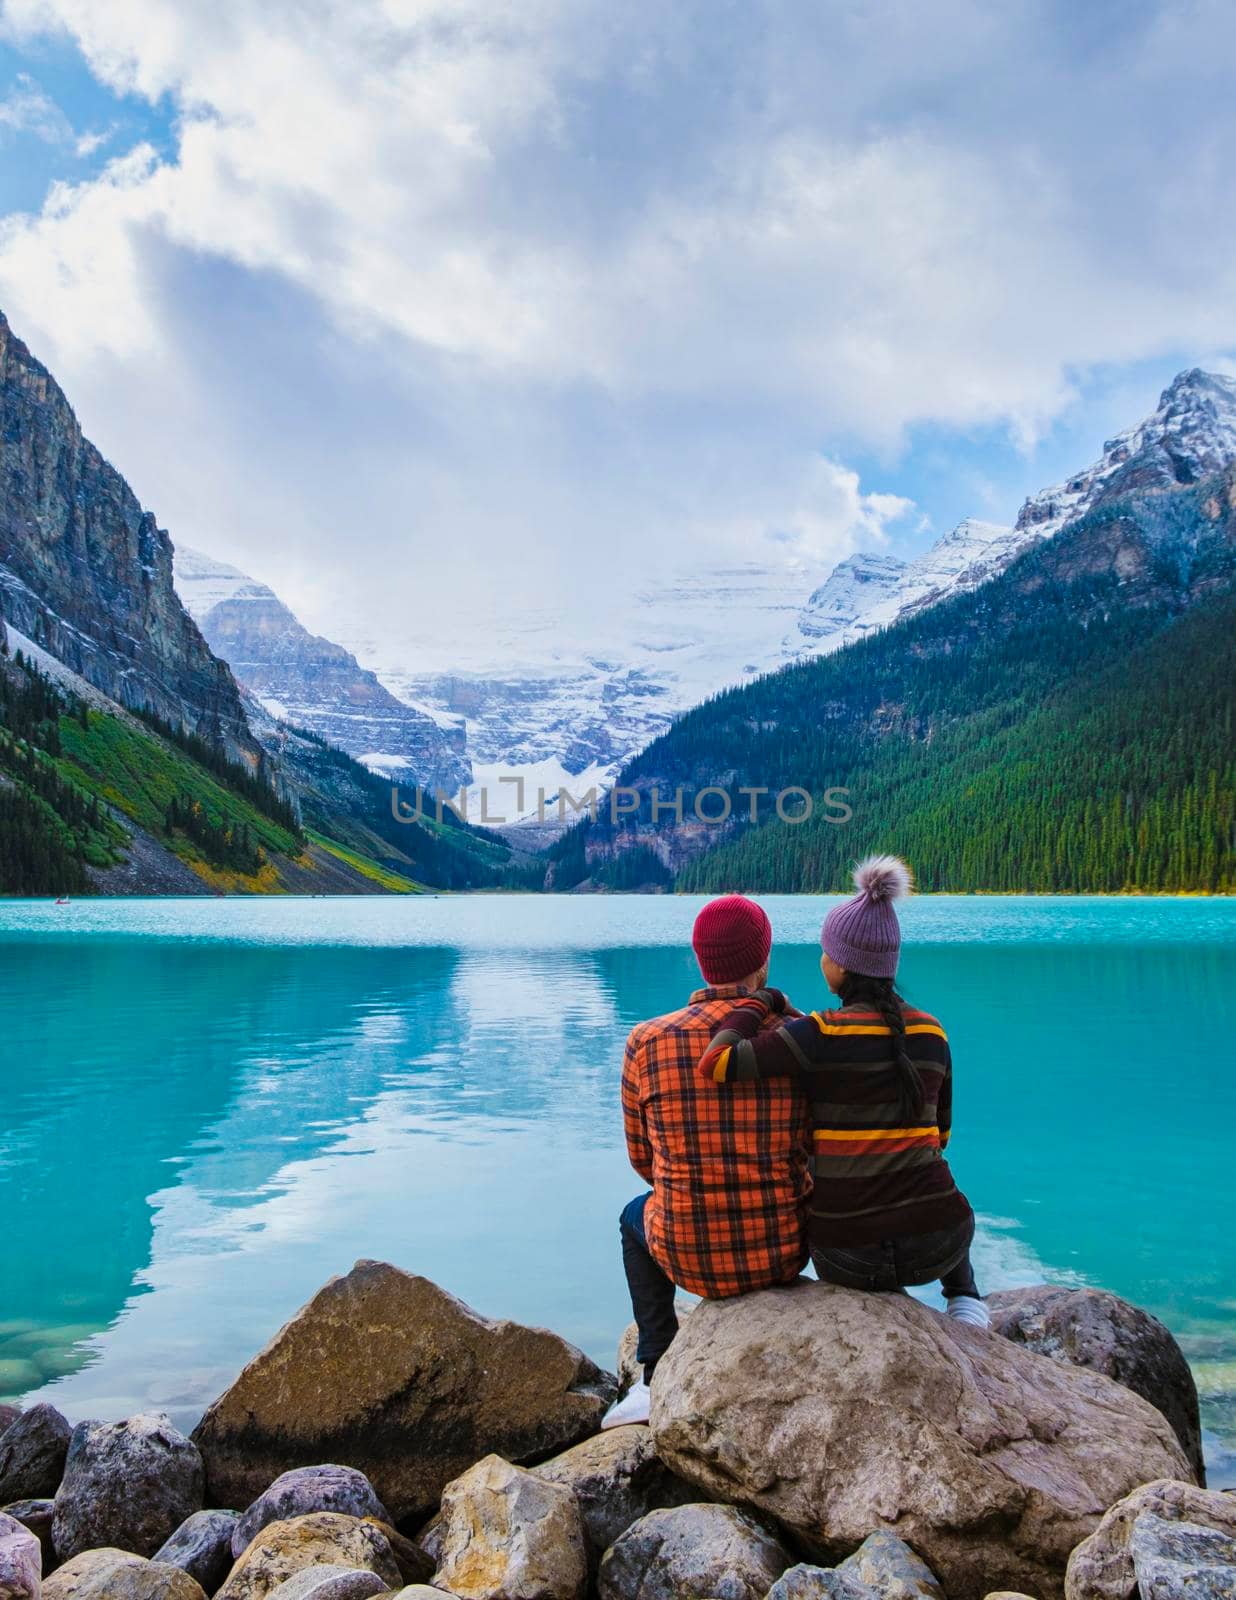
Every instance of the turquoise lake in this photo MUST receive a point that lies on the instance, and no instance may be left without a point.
(210, 1106)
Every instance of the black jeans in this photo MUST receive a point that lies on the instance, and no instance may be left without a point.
(899, 1263)
(652, 1292)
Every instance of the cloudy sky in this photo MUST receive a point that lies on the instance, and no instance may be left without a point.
(426, 309)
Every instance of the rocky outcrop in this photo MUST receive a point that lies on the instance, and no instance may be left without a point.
(1091, 1328)
(305, 1489)
(129, 1484)
(21, 1561)
(202, 1545)
(617, 1478)
(508, 1534)
(322, 1539)
(1148, 1542)
(838, 1412)
(693, 1552)
(313, 682)
(87, 574)
(32, 1454)
(392, 1375)
(8, 1414)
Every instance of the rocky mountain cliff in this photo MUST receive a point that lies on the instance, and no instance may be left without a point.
(87, 573)
(311, 682)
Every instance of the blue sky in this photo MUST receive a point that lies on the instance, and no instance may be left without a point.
(425, 311)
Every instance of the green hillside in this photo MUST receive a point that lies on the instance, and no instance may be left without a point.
(1123, 780)
(76, 781)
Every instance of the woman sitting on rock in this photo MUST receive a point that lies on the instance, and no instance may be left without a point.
(886, 1212)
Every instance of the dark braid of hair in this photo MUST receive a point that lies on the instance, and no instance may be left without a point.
(879, 994)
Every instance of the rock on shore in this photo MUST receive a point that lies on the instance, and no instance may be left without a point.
(392, 1375)
(321, 1539)
(508, 1533)
(617, 1477)
(693, 1552)
(869, 1449)
(21, 1561)
(32, 1454)
(1092, 1328)
(1165, 1540)
(129, 1484)
(838, 1412)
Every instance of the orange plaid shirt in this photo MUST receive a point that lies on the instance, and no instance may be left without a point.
(728, 1168)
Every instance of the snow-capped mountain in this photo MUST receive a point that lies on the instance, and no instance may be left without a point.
(867, 592)
(309, 681)
(512, 701)
(1191, 435)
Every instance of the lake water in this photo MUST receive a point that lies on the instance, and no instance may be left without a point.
(207, 1107)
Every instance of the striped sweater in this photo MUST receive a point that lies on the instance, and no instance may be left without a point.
(874, 1177)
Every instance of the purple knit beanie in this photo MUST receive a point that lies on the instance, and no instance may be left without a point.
(863, 935)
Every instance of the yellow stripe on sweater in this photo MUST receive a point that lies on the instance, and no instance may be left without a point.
(723, 1061)
(874, 1133)
(840, 1030)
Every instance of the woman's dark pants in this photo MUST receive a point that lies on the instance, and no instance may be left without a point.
(903, 1262)
(652, 1293)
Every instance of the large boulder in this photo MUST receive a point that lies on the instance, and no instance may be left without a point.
(321, 1539)
(1094, 1329)
(70, 1579)
(8, 1416)
(202, 1545)
(36, 1517)
(1134, 1548)
(21, 1561)
(617, 1478)
(305, 1489)
(32, 1453)
(139, 1580)
(392, 1375)
(692, 1553)
(837, 1412)
(510, 1535)
(129, 1484)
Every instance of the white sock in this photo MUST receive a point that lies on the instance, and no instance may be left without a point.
(969, 1309)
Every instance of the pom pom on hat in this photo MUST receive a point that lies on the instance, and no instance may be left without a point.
(883, 878)
(863, 935)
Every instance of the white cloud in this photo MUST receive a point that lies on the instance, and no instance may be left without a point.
(89, 144)
(26, 109)
(607, 278)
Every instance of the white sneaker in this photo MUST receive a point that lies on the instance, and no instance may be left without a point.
(964, 1308)
(633, 1407)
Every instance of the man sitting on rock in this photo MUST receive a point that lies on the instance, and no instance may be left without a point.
(729, 1173)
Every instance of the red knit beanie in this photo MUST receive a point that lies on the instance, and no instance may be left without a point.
(731, 939)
